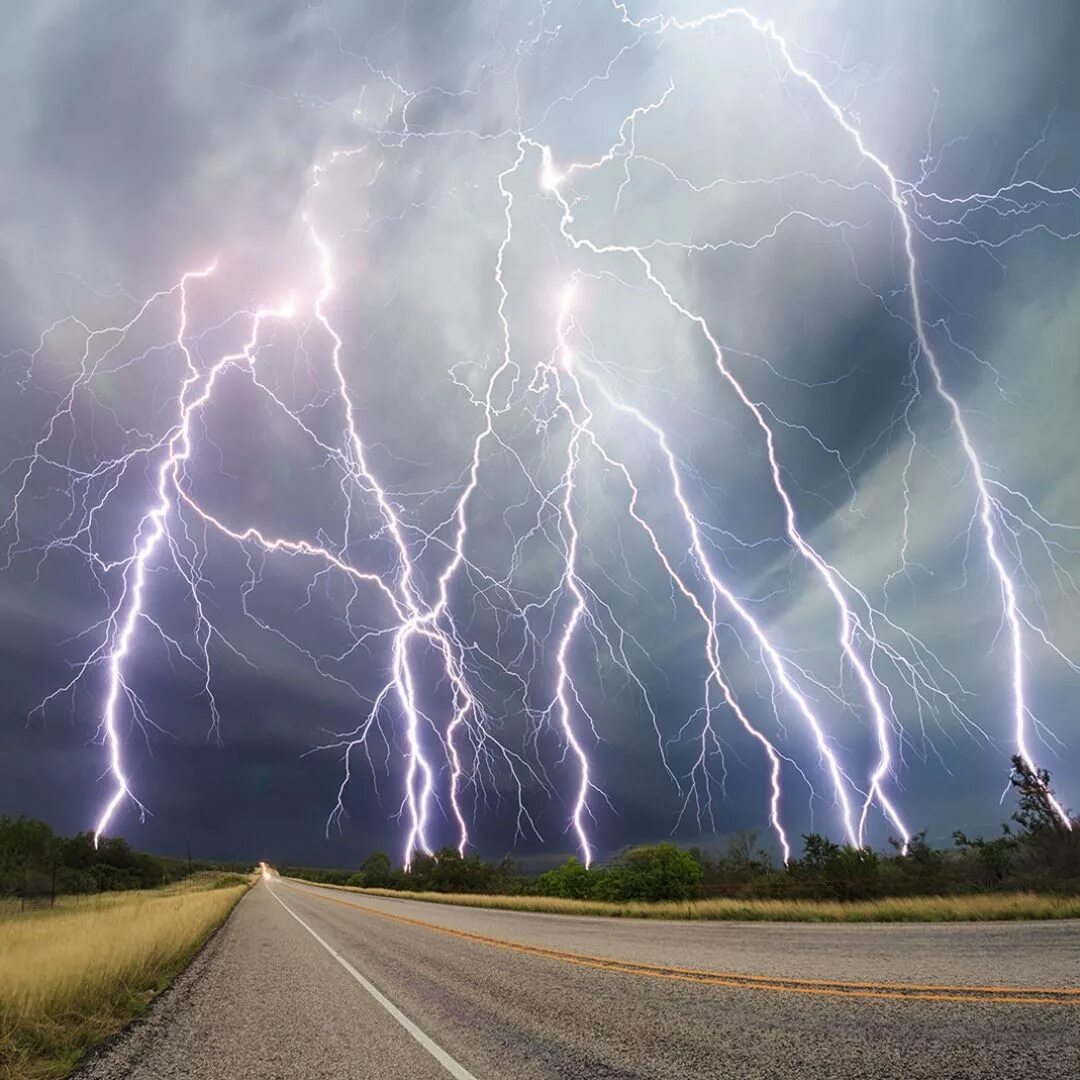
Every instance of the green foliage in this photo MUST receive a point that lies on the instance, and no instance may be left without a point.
(36, 863)
(448, 871)
(843, 872)
(743, 862)
(228, 881)
(1040, 855)
(657, 872)
(318, 874)
(376, 872)
(1036, 814)
(921, 867)
(571, 881)
(25, 846)
(1048, 850)
(993, 858)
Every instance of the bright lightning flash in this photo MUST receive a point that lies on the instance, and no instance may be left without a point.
(579, 408)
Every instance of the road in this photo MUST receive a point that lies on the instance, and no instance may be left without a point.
(311, 983)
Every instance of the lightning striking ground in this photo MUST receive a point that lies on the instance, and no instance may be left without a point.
(464, 713)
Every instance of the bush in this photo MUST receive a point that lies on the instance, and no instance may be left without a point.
(571, 881)
(844, 872)
(656, 872)
(1038, 852)
(376, 872)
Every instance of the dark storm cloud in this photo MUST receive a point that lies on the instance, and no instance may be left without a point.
(147, 139)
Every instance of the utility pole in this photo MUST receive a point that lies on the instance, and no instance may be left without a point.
(189, 857)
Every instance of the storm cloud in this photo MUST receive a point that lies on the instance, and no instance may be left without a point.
(146, 141)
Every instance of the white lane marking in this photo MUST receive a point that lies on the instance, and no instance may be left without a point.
(432, 1047)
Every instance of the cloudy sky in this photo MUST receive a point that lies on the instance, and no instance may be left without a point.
(585, 250)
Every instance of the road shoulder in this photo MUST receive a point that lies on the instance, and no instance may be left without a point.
(261, 999)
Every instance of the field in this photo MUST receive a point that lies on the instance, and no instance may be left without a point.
(74, 974)
(983, 907)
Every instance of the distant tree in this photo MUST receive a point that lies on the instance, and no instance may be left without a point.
(376, 872)
(844, 872)
(655, 872)
(25, 846)
(819, 852)
(918, 863)
(79, 851)
(994, 858)
(1036, 813)
(744, 860)
(452, 873)
(571, 880)
(1049, 842)
(506, 877)
(419, 875)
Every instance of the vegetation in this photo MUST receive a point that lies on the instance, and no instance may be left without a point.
(36, 864)
(1009, 876)
(977, 907)
(72, 974)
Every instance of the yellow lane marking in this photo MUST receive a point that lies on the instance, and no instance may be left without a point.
(1010, 995)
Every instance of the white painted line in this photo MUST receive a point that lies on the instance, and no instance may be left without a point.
(432, 1047)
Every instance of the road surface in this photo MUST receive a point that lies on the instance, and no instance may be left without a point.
(312, 983)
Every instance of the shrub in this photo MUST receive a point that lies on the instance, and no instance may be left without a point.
(571, 881)
(656, 872)
(844, 872)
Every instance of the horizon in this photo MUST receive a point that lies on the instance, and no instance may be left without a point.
(416, 438)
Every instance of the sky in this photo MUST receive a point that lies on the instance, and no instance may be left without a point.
(599, 423)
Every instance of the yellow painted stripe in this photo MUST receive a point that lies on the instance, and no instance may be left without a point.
(1010, 995)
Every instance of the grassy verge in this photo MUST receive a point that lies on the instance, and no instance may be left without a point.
(984, 907)
(73, 974)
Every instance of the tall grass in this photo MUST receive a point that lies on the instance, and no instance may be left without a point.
(71, 975)
(982, 907)
(67, 902)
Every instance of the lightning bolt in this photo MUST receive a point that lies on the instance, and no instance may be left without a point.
(988, 507)
(537, 666)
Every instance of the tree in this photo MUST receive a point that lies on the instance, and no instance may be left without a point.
(1037, 813)
(454, 873)
(419, 873)
(1049, 843)
(376, 872)
(25, 845)
(819, 852)
(654, 872)
(918, 862)
(741, 862)
(847, 873)
(993, 857)
(571, 880)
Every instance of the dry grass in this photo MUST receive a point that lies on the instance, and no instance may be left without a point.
(71, 975)
(979, 908)
(40, 906)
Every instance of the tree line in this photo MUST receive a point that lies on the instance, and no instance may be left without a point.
(1035, 850)
(36, 862)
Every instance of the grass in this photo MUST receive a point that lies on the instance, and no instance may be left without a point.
(983, 907)
(76, 973)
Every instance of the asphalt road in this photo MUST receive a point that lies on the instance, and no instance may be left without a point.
(304, 982)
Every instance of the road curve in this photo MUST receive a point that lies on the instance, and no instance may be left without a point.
(306, 982)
